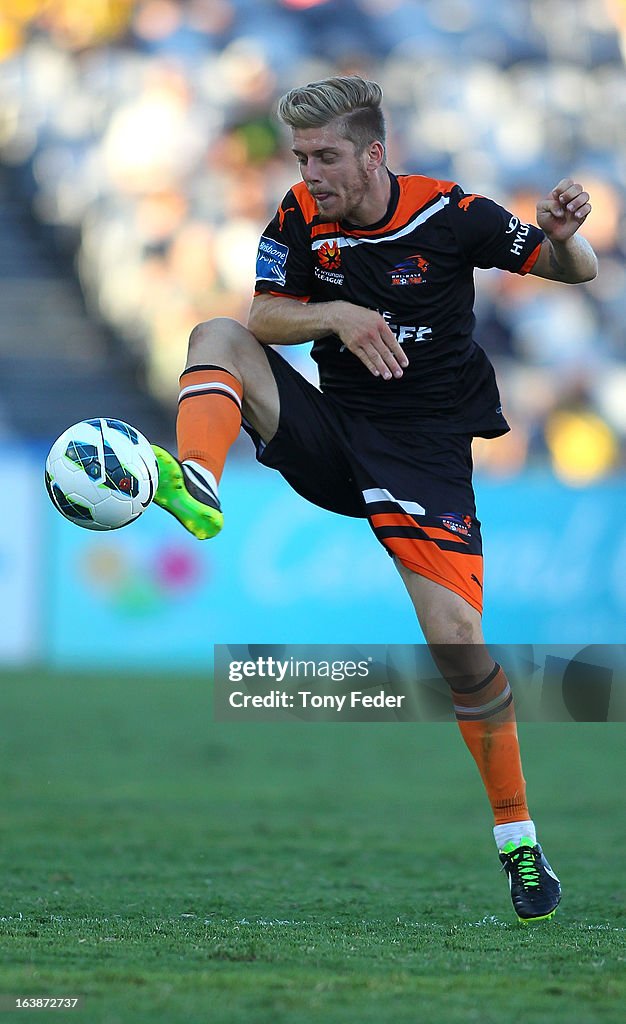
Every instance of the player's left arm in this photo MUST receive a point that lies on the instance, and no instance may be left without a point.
(564, 254)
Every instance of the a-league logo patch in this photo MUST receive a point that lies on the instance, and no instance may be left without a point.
(329, 255)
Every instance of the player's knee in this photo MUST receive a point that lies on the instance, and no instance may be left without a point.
(456, 643)
(457, 626)
(215, 337)
(458, 650)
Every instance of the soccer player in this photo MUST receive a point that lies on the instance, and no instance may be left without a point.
(377, 269)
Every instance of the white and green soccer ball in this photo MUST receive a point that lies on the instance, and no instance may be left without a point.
(101, 474)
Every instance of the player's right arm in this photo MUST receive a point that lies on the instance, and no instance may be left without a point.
(277, 320)
(283, 311)
(565, 256)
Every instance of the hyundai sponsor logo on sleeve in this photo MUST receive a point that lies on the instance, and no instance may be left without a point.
(520, 239)
(271, 260)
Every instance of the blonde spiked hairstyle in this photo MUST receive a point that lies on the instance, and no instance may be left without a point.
(353, 102)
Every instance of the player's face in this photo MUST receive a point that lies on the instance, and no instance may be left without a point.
(334, 173)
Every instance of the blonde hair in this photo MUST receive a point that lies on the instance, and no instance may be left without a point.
(354, 102)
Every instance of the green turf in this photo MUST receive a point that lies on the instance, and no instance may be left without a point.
(173, 870)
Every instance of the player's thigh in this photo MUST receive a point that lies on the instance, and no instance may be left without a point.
(227, 344)
(451, 626)
(309, 448)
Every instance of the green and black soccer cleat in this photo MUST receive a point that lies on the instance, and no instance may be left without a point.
(535, 889)
(186, 494)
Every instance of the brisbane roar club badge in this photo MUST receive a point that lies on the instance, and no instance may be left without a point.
(411, 271)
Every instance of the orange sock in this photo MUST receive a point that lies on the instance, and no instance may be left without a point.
(209, 416)
(486, 718)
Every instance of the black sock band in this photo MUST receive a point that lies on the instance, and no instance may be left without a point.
(479, 686)
(206, 366)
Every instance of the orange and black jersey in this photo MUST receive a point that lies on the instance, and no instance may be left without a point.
(416, 267)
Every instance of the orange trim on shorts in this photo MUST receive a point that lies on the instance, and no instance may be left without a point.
(404, 519)
(451, 569)
(440, 534)
(393, 519)
(454, 569)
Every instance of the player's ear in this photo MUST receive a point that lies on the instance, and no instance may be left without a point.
(375, 155)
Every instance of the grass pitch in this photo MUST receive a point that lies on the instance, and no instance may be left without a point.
(169, 869)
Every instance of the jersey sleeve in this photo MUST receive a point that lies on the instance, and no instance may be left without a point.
(490, 236)
(283, 263)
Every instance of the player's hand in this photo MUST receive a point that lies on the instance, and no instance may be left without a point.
(561, 213)
(365, 333)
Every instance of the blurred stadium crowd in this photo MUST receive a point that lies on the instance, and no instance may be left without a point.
(143, 134)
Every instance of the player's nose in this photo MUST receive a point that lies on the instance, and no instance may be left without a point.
(311, 172)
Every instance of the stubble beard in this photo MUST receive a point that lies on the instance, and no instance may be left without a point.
(354, 197)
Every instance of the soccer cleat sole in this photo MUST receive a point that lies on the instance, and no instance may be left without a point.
(537, 920)
(172, 495)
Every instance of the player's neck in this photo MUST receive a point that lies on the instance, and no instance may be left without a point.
(375, 203)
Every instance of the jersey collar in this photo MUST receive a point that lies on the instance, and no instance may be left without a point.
(389, 212)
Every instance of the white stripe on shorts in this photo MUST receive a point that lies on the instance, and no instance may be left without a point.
(374, 494)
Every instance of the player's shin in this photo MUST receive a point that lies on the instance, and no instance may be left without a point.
(209, 416)
(486, 716)
(209, 420)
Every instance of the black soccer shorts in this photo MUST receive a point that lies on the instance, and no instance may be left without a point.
(414, 487)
